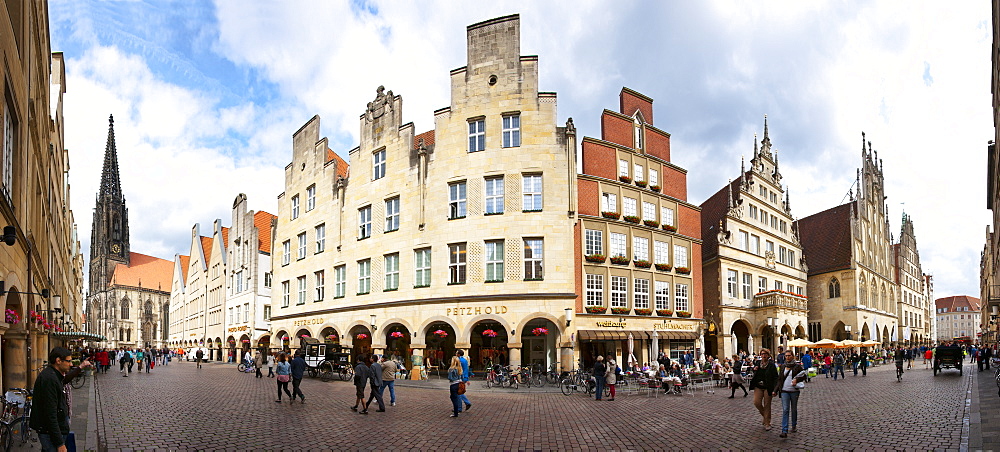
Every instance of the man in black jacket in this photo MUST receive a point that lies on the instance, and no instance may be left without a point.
(765, 377)
(599, 370)
(49, 414)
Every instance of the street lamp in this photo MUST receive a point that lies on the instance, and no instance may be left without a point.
(569, 315)
(374, 327)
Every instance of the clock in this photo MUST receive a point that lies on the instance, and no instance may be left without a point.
(116, 248)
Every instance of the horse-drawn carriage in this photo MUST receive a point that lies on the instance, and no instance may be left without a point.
(948, 357)
(326, 360)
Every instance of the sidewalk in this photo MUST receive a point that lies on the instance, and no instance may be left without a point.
(984, 419)
(82, 422)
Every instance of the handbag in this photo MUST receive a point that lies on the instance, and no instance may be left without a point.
(800, 385)
(461, 387)
(284, 378)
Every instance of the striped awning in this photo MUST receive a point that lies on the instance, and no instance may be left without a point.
(621, 335)
(72, 335)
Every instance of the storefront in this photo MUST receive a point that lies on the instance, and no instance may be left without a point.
(635, 341)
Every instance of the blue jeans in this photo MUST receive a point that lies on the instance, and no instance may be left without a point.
(599, 389)
(789, 404)
(855, 366)
(45, 442)
(391, 384)
(838, 368)
(456, 404)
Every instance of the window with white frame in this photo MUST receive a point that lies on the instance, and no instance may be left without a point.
(311, 197)
(619, 291)
(732, 287)
(755, 244)
(364, 222)
(761, 284)
(267, 279)
(302, 290)
(680, 256)
(422, 267)
(593, 241)
(753, 211)
(239, 281)
(533, 259)
(286, 252)
(623, 168)
(494, 195)
(302, 246)
(392, 271)
(532, 192)
(295, 207)
(640, 248)
(285, 294)
(494, 260)
(609, 202)
(681, 297)
(392, 214)
(378, 164)
(237, 318)
(339, 281)
(321, 238)
(477, 135)
(774, 222)
(511, 131)
(747, 286)
(661, 252)
(246, 312)
(662, 294)
(595, 290)
(648, 211)
(617, 244)
(364, 276)
(456, 263)
(783, 255)
(654, 177)
(230, 316)
(763, 217)
(640, 294)
(629, 207)
(639, 172)
(637, 138)
(667, 216)
(791, 258)
(778, 286)
(9, 140)
(770, 246)
(456, 200)
(744, 240)
(320, 284)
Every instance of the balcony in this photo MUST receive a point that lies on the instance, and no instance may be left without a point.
(779, 299)
(993, 295)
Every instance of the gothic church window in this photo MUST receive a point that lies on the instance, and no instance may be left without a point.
(834, 288)
(124, 309)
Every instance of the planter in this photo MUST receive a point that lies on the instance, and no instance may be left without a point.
(626, 179)
(684, 314)
(655, 188)
(619, 260)
(631, 219)
(611, 215)
(620, 311)
(683, 271)
(664, 267)
(597, 309)
(643, 311)
(640, 183)
(642, 264)
(651, 223)
(597, 258)
(664, 312)
(669, 228)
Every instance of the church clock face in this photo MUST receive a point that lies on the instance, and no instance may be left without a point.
(116, 248)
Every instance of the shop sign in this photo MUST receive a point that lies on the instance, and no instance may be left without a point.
(672, 326)
(478, 310)
(611, 324)
(238, 328)
(308, 322)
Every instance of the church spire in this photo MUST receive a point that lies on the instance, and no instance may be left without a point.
(110, 182)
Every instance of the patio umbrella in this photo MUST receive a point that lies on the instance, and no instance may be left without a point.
(799, 343)
(631, 347)
(848, 343)
(826, 343)
(870, 343)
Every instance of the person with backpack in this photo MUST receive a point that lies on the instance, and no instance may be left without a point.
(838, 365)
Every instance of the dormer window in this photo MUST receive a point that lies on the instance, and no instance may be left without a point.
(637, 126)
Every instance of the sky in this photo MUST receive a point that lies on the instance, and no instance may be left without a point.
(206, 97)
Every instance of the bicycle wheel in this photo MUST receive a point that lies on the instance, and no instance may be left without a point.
(513, 382)
(489, 381)
(326, 371)
(6, 438)
(79, 381)
(241, 367)
(15, 431)
(566, 386)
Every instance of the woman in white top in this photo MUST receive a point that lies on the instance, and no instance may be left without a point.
(789, 377)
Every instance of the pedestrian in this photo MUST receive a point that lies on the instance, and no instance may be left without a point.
(792, 374)
(50, 409)
(828, 364)
(609, 378)
(258, 363)
(807, 361)
(389, 368)
(765, 377)
(298, 368)
(928, 357)
(465, 378)
(360, 380)
(129, 360)
(455, 383)
(149, 360)
(987, 356)
(270, 365)
(139, 356)
(864, 363)
(284, 372)
(838, 365)
(375, 379)
(737, 380)
(598, 373)
(198, 356)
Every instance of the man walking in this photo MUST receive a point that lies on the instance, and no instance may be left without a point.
(388, 380)
(375, 378)
(50, 416)
(465, 378)
(360, 380)
(864, 363)
(838, 365)
(198, 355)
(298, 369)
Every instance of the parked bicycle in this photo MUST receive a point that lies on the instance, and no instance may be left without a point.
(246, 366)
(577, 381)
(500, 376)
(14, 418)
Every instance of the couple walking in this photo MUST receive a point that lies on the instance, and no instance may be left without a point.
(379, 373)
(768, 381)
(458, 378)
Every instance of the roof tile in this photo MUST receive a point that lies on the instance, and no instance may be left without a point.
(144, 271)
(826, 239)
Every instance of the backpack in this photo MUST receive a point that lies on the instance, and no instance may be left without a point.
(839, 359)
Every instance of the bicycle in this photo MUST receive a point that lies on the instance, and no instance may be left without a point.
(577, 380)
(79, 380)
(245, 366)
(552, 376)
(14, 426)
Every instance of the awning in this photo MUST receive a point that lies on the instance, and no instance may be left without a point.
(677, 335)
(611, 335)
(71, 335)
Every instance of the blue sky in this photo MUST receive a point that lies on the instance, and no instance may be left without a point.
(206, 96)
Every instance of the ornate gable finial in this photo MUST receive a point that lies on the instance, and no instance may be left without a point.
(729, 194)
(765, 143)
(754, 147)
(862, 143)
(381, 104)
(743, 173)
(788, 202)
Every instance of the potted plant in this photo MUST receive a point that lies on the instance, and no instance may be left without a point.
(610, 215)
(597, 309)
(598, 258)
(631, 218)
(10, 316)
(639, 263)
(655, 188)
(643, 311)
(626, 179)
(619, 260)
(489, 333)
(664, 267)
(361, 336)
(651, 223)
(669, 228)
(665, 312)
(441, 333)
(620, 311)
(683, 270)
(683, 314)
(640, 183)
(540, 331)
(332, 338)
(396, 334)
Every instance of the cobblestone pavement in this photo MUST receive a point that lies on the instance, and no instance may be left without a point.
(216, 408)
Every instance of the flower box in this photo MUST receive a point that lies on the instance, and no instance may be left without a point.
(540, 331)
(440, 333)
(489, 333)
(598, 258)
(620, 311)
(664, 267)
(361, 336)
(683, 314)
(641, 263)
(626, 179)
(619, 260)
(683, 271)
(643, 311)
(665, 312)
(597, 309)
(11, 317)
(611, 215)
(640, 183)
(631, 218)
(651, 223)
(655, 188)
(669, 228)
(396, 334)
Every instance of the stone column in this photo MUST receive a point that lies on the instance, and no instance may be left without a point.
(515, 353)
(15, 368)
(567, 358)
(726, 345)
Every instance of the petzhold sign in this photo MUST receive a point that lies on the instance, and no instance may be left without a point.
(478, 310)
(307, 322)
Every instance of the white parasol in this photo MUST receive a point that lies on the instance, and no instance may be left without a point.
(631, 347)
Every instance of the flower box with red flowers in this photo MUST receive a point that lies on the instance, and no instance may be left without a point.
(655, 188)
(683, 314)
(626, 179)
(621, 311)
(665, 312)
(598, 258)
(631, 218)
(360, 336)
(396, 334)
(440, 333)
(669, 228)
(10, 316)
(639, 311)
(640, 183)
(683, 271)
(332, 337)
(639, 263)
(651, 223)
(540, 331)
(611, 215)
(619, 260)
(489, 333)
(664, 267)
(596, 309)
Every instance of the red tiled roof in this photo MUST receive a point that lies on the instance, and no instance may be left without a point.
(225, 234)
(826, 239)
(185, 261)
(712, 210)
(428, 137)
(958, 301)
(206, 247)
(341, 163)
(144, 271)
(262, 221)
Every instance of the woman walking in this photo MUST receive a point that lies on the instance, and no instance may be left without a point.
(765, 377)
(455, 379)
(284, 372)
(792, 374)
(737, 380)
(361, 377)
(609, 378)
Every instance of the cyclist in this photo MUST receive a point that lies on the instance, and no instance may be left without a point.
(900, 357)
